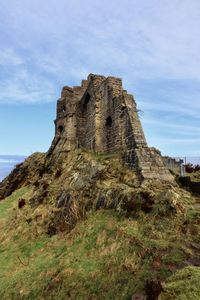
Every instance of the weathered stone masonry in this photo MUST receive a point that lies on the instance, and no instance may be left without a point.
(100, 116)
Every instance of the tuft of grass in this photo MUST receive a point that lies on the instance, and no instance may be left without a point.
(11, 202)
(192, 215)
(174, 256)
(104, 156)
(183, 285)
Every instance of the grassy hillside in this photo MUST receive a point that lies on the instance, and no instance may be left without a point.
(195, 176)
(110, 254)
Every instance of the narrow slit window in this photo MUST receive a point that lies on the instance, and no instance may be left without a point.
(87, 99)
(109, 122)
(60, 129)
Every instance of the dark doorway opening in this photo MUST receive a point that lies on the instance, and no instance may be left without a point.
(109, 122)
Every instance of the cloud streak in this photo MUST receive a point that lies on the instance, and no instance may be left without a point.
(7, 163)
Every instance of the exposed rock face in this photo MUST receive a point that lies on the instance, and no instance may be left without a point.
(100, 116)
(23, 174)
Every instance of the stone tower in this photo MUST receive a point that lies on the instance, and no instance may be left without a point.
(100, 116)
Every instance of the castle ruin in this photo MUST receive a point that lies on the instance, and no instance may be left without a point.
(101, 116)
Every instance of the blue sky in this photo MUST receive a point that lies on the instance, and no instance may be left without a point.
(153, 45)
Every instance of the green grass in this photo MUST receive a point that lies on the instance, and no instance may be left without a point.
(79, 260)
(183, 285)
(192, 215)
(107, 256)
(11, 201)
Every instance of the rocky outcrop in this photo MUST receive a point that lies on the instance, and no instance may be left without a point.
(23, 174)
(102, 118)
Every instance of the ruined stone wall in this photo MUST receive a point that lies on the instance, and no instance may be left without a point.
(108, 121)
(86, 114)
(176, 165)
(86, 122)
(105, 119)
(66, 119)
(100, 116)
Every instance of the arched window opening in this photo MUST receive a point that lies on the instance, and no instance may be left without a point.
(64, 109)
(86, 101)
(109, 122)
(60, 129)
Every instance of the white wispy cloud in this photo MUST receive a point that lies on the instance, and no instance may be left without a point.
(191, 130)
(11, 159)
(7, 161)
(8, 57)
(180, 141)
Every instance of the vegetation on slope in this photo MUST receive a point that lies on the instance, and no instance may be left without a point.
(137, 242)
(107, 256)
